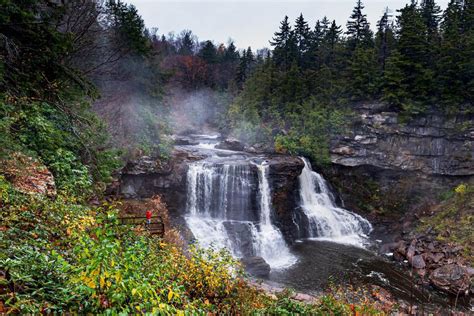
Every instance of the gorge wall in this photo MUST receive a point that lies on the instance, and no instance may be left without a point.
(384, 157)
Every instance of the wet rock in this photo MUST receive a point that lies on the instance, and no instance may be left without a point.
(283, 173)
(231, 144)
(256, 266)
(451, 278)
(418, 262)
(301, 297)
(435, 257)
(147, 176)
(390, 247)
(184, 141)
(411, 251)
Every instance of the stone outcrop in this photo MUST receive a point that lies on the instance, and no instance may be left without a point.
(284, 172)
(147, 176)
(256, 266)
(231, 144)
(431, 144)
(28, 175)
(439, 264)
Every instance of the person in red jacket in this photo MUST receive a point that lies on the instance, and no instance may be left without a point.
(148, 217)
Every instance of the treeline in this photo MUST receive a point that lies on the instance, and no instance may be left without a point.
(420, 61)
(196, 64)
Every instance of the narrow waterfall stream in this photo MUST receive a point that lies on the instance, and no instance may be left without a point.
(326, 221)
(271, 245)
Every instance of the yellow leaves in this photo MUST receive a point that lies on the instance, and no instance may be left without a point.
(170, 295)
(461, 189)
(102, 281)
(134, 291)
(118, 276)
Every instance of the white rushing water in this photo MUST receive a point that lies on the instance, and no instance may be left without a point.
(271, 244)
(220, 211)
(326, 221)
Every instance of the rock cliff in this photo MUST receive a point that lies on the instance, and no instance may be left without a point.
(431, 144)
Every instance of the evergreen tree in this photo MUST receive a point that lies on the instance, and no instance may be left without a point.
(208, 52)
(246, 65)
(364, 77)
(431, 13)
(128, 26)
(302, 38)
(414, 49)
(449, 77)
(333, 34)
(384, 39)
(284, 41)
(467, 55)
(231, 53)
(186, 45)
(325, 24)
(318, 34)
(358, 28)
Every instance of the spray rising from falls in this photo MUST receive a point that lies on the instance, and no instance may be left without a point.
(223, 211)
(324, 219)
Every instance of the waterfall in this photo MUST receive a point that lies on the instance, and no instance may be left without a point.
(324, 219)
(271, 245)
(223, 211)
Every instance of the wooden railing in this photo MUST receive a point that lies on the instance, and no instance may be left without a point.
(156, 227)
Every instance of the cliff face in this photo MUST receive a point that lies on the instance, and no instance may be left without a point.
(385, 164)
(432, 144)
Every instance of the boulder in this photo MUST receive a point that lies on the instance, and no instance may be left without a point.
(256, 266)
(451, 278)
(418, 262)
(302, 297)
(231, 144)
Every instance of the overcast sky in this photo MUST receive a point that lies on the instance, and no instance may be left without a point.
(249, 23)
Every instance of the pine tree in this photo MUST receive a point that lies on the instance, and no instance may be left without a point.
(414, 49)
(358, 28)
(302, 38)
(467, 56)
(231, 53)
(325, 24)
(246, 66)
(431, 13)
(318, 34)
(384, 39)
(364, 77)
(449, 76)
(333, 34)
(394, 87)
(186, 45)
(281, 42)
(208, 52)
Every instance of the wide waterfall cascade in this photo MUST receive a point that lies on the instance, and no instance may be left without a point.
(326, 220)
(223, 211)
